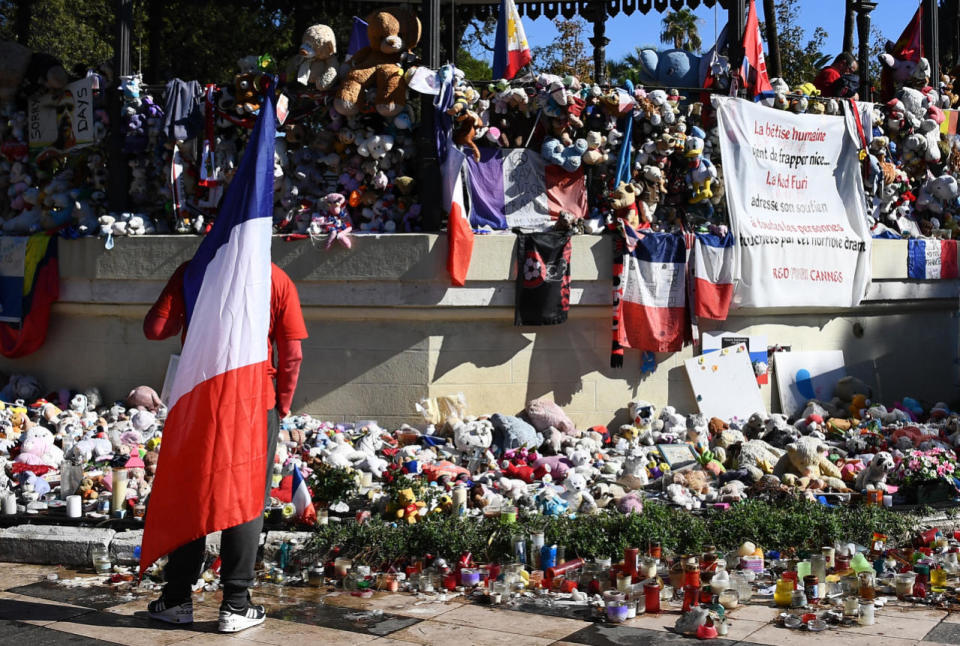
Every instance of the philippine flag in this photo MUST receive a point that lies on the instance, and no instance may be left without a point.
(212, 470)
(654, 294)
(511, 51)
(713, 275)
(302, 501)
(931, 259)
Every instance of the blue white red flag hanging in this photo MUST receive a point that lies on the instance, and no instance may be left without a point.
(215, 436)
(511, 51)
(302, 501)
(931, 259)
(713, 259)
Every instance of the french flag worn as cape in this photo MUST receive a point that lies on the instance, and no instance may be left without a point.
(211, 474)
(932, 259)
(754, 70)
(713, 275)
(302, 501)
(511, 51)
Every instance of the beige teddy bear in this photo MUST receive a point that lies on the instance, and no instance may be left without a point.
(316, 61)
(806, 462)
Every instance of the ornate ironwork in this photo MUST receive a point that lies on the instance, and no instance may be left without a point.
(533, 9)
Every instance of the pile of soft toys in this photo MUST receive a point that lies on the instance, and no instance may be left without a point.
(346, 160)
(538, 459)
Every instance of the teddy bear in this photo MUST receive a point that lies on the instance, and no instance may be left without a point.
(392, 34)
(623, 201)
(512, 488)
(568, 157)
(596, 149)
(317, 61)
(543, 413)
(577, 494)
(549, 502)
(475, 434)
(874, 476)
(806, 458)
(406, 507)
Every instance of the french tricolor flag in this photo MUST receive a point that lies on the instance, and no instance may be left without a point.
(212, 470)
(654, 293)
(932, 259)
(302, 500)
(511, 51)
(713, 275)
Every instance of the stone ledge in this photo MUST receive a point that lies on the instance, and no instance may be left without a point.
(52, 545)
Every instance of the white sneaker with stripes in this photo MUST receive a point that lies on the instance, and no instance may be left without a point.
(232, 620)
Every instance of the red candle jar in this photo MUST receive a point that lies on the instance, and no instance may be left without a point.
(450, 581)
(841, 563)
(568, 586)
(493, 571)
(631, 560)
(651, 597)
(706, 594)
(690, 593)
(655, 551)
(691, 576)
(791, 576)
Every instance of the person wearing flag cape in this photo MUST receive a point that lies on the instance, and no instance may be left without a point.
(233, 306)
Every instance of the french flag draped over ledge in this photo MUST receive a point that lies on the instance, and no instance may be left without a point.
(713, 275)
(511, 51)
(931, 259)
(211, 474)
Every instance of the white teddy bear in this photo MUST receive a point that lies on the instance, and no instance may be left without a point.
(577, 494)
(875, 475)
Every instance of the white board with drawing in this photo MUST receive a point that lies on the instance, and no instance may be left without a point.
(802, 376)
(724, 384)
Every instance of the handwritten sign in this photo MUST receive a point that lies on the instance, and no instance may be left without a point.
(524, 193)
(797, 212)
(59, 122)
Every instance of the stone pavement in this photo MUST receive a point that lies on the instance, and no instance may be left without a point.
(35, 611)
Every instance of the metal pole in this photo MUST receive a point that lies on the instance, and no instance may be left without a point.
(736, 21)
(428, 162)
(599, 41)
(119, 180)
(773, 39)
(864, 7)
(931, 38)
(849, 14)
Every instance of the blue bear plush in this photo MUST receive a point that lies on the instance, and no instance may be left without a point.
(569, 157)
(670, 68)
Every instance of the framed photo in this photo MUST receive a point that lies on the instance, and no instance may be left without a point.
(677, 456)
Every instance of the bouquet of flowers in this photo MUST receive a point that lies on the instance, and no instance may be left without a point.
(926, 466)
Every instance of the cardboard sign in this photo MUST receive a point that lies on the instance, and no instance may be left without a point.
(802, 376)
(724, 384)
(62, 121)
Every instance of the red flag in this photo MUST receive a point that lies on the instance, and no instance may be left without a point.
(754, 70)
(909, 47)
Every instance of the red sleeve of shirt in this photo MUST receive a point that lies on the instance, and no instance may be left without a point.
(286, 317)
(167, 316)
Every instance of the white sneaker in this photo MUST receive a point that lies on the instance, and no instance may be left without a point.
(232, 621)
(181, 614)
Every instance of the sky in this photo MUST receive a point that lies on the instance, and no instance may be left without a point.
(625, 33)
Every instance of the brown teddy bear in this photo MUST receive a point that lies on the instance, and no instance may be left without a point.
(392, 33)
(623, 200)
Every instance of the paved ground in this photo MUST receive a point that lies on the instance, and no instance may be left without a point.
(38, 612)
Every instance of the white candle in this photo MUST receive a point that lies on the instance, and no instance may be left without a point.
(73, 507)
(10, 505)
(866, 614)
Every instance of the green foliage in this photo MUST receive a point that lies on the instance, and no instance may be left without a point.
(475, 69)
(680, 30)
(795, 523)
(800, 57)
(332, 484)
(567, 54)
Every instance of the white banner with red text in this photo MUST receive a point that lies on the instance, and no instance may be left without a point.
(795, 196)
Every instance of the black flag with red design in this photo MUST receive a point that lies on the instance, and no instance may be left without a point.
(543, 278)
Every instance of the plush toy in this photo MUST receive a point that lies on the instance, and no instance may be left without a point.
(623, 201)
(465, 127)
(701, 173)
(248, 88)
(543, 413)
(875, 475)
(317, 61)
(392, 33)
(577, 494)
(557, 466)
(631, 503)
(476, 434)
(670, 68)
(549, 503)
(406, 507)
(511, 432)
(568, 157)
(596, 149)
(807, 458)
(28, 71)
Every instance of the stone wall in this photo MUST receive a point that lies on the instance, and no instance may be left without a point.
(386, 329)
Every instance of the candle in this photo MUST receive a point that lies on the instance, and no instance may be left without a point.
(850, 605)
(119, 487)
(616, 611)
(829, 554)
(866, 613)
(74, 508)
(10, 505)
(469, 577)
(341, 566)
(651, 597)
